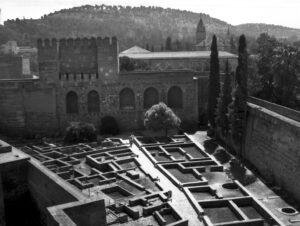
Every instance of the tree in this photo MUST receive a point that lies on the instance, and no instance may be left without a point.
(168, 44)
(162, 48)
(214, 83)
(80, 132)
(147, 47)
(225, 99)
(238, 107)
(286, 67)
(152, 48)
(161, 117)
(266, 46)
(232, 45)
(126, 64)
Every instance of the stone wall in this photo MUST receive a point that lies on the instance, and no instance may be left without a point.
(138, 83)
(273, 146)
(47, 191)
(12, 114)
(27, 108)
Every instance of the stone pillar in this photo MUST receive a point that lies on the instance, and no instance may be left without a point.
(2, 213)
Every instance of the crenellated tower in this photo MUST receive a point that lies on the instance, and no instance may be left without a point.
(78, 60)
(48, 59)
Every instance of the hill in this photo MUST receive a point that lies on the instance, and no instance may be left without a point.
(132, 25)
(280, 32)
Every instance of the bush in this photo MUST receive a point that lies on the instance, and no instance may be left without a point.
(210, 145)
(239, 172)
(80, 132)
(109, 125)
(221, 155)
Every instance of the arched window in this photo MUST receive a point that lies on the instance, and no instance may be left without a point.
(93, 102)
(150, 97)
(72, 103)
(127, 99)
(175, 97)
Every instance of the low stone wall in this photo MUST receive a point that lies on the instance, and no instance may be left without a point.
(273, 144)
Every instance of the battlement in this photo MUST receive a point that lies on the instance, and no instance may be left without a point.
(106, 42)
(46, 43)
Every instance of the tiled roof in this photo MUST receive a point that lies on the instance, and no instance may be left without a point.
(135, 50)
(176, 55)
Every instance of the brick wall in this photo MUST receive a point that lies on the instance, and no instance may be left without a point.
(273, 147)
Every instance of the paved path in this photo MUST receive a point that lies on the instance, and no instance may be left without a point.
(179, 200)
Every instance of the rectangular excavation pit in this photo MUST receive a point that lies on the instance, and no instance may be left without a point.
(220, 211)
(70, 174)
(71, 150)
(129, 187)
(176, 153)
(202, 192)
(199, 164)
(127, 163)
(161, 157)
(120, 152)
(253, 211)
(165, 140)
(153, 149)
(41, 158)
(180, 138)
(54, 155)
(182, 177)
(106, 167)
(194, 151)
(117, 192)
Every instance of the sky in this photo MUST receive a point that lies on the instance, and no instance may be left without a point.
(279, 12)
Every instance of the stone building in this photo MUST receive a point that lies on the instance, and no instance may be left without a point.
(79, 80)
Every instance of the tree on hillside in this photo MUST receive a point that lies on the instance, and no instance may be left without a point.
(152, 48)
(225, 99)
(214, 83)
(168, 45)
(238, 107)
(286, 67)
(161, 117)
(147, 47)
(266, 53)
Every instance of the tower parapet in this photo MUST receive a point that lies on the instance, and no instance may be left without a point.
(95, 58)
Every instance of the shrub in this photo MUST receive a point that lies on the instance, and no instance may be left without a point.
(109, 125)
(210, 145)
(221, 155)
(80, 132)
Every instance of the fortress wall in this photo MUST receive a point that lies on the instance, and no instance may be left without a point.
(12, 114)
(26, 108)
(48, 191)
(273, 145)
(109, 98)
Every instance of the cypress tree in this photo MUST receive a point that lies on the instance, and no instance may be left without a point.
(225, 99)
(168, 44)
(239, 104)
(152, 48)
(147, 47)
(214, 83)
